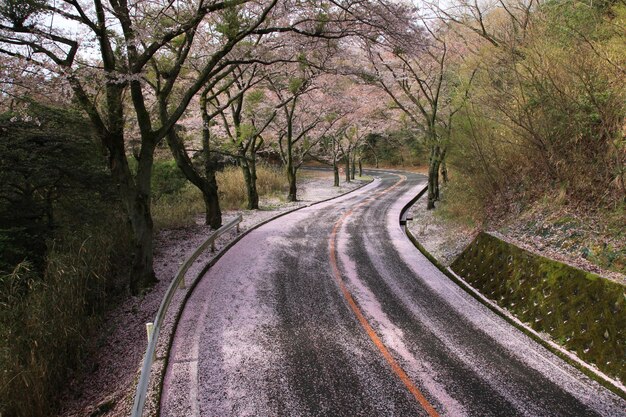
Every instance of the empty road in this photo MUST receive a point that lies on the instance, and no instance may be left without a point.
(331, 311)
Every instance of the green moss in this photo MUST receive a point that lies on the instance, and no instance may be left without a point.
(582, 311)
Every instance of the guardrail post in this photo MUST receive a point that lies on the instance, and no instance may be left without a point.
(150, 332)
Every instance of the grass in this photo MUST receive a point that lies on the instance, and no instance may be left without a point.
(46, 319)
(180, 209)
(174, 208)
(271, 182)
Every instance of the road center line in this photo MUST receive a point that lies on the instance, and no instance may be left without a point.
(395, 366)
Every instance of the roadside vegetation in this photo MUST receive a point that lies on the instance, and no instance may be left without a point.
(539, 146)
(177, 203)
(64, 247)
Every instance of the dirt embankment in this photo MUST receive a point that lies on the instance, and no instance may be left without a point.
(566, 239)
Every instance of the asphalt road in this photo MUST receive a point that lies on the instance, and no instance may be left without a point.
(331, 311)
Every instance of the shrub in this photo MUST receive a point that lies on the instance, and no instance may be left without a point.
(62, 237)
(167, 179)
(46, 319)
(546, 116)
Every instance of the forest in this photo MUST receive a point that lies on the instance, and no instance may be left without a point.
(120, 117)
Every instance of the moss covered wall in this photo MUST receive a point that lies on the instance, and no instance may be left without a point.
(583, 312)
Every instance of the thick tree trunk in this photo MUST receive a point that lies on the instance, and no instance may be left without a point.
(347, 168)
(336, 174)
(249, 177)
(135, 195)
(142, 273)
(433, 178)
(212, 211)
(360, 168)
(293, 189)
(289, 165)
(254, 197)
(134, 190)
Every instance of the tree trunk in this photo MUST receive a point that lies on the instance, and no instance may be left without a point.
(134, 190)
(136, 198)
(288, 159)
(249, 177)
(433, 178)
(443, 166)
(142, 273)
(293, 189)
(254, 197)
(212, 211)
(360, 168)
(347, 167)
(353, 168)
(207, 184)
(336, 173)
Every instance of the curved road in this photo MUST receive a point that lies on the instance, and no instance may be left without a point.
(331, 311)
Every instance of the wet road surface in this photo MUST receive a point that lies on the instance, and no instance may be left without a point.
(331, 311)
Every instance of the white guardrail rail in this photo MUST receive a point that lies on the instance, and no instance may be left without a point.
(154, 328)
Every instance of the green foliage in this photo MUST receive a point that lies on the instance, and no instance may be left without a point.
(321, 21)
(582, 311)
(43, 329)
(167, 179)
(51, 176)
(230, 23)
(295, 84)
(254, 98)
(546, 113)
(400, 148)
(303, 62)
(63, 237)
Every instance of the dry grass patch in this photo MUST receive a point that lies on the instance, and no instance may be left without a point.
(271, 182)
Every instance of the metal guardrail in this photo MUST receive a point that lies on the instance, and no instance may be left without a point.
(154, 328)
(404, 213)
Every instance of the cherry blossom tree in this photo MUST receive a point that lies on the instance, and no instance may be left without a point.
(302, 121)
(106, 50)
(415, 70)
(244, 121)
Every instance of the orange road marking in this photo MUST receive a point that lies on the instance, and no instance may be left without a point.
(395, 366)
